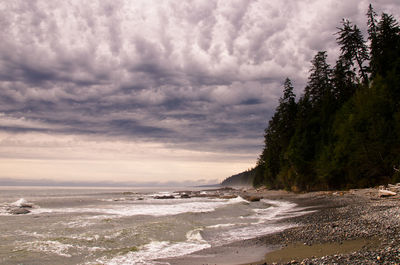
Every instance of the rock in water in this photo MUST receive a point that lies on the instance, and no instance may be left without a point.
(252, 198)
(19, 211)
(164, 197)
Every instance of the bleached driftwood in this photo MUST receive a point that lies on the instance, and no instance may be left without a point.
(386, 193)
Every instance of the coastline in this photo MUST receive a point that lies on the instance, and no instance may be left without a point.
(347, 227)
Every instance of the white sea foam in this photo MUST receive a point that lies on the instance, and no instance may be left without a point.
(19, 203)
(247, 232)
(154, 250)
(4, 210)
(56, 247)
(223, 225)
(273, 212)
(155, 208)
(265, 223)
(48, 246)
(279, 210)
(31, 234)
(79, 223)
(194, 236)
(238, 199)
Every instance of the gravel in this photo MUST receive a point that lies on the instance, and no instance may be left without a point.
(340, 216)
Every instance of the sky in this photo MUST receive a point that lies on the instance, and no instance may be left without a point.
(152, 91)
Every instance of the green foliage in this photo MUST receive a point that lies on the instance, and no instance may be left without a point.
(245, 178)
(353, 48)
(342, 133)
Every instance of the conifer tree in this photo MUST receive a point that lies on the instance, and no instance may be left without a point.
(338, 136)
(387, 50)
(319, 81)
(353, 47)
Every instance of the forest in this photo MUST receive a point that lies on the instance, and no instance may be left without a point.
(344, 130)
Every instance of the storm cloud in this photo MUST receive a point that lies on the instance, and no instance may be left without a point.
(196, 75)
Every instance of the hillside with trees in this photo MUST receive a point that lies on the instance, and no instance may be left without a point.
(245, 178)
(344, 130)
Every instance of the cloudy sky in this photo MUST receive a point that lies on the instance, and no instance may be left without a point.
(152, 91)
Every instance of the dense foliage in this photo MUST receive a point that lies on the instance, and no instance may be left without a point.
(245, 178)
(344, 131)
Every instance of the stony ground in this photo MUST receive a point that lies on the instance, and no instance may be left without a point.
(344, 216)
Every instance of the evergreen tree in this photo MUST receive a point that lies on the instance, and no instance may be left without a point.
(344, 81)
(353, 47)
(372, 37)
(387, 50)
(319, 81)
(341, 133)
(277, 138)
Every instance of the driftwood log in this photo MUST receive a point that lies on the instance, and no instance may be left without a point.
(386, 193)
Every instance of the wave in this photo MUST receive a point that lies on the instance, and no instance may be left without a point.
(147, 254)
(152, 208)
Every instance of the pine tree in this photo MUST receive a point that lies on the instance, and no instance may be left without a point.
(387, 50)
(353, 47)
(319, 81)
(344, 81)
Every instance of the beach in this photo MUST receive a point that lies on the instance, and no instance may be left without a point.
(222, 226)
(346, 227)
(124, 226)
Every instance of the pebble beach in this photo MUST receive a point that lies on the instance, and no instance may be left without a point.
(345, 227)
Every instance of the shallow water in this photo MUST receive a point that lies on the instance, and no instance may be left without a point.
(114, 226)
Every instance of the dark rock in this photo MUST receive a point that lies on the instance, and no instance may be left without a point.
(185, 196)
(26, 205)
(164, 197)
(19, 211)
(252, 198)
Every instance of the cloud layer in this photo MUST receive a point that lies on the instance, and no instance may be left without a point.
(203, 75)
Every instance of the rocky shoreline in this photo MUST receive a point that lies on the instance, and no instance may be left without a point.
(346, 216)
(347, 227)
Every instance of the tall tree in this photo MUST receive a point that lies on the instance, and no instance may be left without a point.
(353, 47)
(387, 50)
(319, 81)
(338, 136)
(277, 138)
(372, 22)
(344, 81)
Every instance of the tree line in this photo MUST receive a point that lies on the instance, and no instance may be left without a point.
(344, 130)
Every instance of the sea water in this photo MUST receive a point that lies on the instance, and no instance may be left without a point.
(126, 225)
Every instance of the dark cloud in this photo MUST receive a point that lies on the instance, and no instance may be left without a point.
(199, 74)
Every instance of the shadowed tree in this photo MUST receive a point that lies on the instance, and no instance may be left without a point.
(277, 138)
(319, 81)
(338, 136)
(343, 81)
(386, 53)
(353, 47)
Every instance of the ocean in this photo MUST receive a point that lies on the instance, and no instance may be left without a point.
(121, 226)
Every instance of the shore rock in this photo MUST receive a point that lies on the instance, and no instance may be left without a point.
(252, 198)
(19, 211)
(164, 197)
